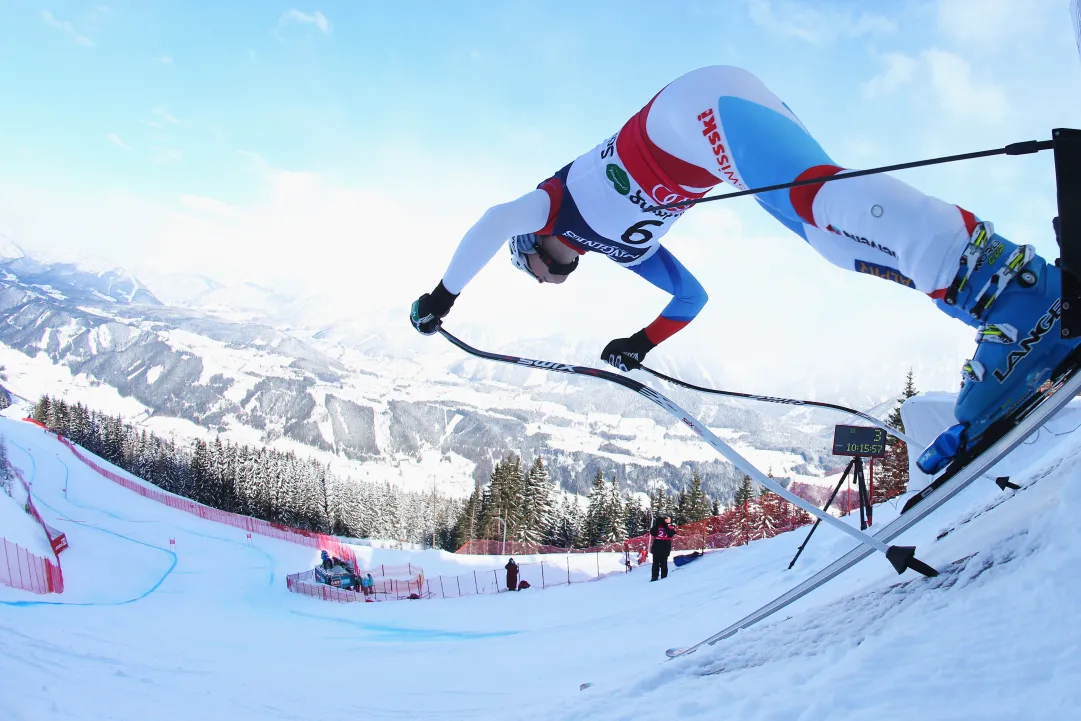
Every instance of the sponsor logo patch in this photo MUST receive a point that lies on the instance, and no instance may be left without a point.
(1039, 331)
(884, 272)
(619, 178)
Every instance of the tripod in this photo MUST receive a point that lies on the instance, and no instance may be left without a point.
(855, 467)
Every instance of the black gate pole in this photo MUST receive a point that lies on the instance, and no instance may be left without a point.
(824, 508)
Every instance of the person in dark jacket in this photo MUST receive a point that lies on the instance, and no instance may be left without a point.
(326, 560)
(512, 575)
(661, 546)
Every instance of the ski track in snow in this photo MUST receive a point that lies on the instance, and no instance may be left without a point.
(207, 630)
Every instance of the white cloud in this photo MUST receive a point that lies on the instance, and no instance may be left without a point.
(164, 155)
(949, 78)
(115, 140)
(165, 116)
(166, 60)
(960, 95)
(210, 206)
(67, 28)
(899, 72)
(984, 24)
(816, 23)
(316, 18)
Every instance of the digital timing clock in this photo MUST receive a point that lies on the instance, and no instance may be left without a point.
(865, 441)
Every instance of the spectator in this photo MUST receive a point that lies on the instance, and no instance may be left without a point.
(512, 575)
(326, 560)
(662, 534)
(370, 584)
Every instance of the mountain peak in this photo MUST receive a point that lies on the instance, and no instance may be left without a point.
(9, 249)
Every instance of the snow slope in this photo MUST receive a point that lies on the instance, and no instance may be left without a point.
(205, 629)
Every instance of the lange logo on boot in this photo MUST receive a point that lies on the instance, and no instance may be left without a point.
(1043, 325)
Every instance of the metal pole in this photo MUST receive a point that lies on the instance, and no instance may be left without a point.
(824, 508)
(1022, 148)
(542, 574)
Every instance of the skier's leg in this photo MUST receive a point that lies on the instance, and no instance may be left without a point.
(664, 566)
(656, 567)
(725, 120)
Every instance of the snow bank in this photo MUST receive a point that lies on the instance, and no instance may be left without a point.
(925, 416)
(19, 527)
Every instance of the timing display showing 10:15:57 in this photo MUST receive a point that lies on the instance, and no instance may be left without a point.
(864, 441)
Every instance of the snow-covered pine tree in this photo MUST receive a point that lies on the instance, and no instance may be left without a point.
(745, 492)
(614, 513)
(596, 519)
(891, 471)
(41, 410)
(696, 503)
(536, 503)
(6, 484)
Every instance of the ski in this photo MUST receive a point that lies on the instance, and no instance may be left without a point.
(1007, 435)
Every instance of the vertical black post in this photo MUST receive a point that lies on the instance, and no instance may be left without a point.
(824, 508)
(865, 502)
(1067, 149)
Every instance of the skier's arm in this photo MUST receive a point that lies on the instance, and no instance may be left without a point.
(527, 214)
(688, 298)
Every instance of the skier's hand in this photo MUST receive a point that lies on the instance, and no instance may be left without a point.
(627, 354)
(428, 311)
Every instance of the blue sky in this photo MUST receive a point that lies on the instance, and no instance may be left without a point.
(303, 145)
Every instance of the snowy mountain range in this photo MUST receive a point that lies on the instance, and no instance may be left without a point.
(367, 395)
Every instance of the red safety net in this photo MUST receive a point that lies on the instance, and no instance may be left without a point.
(761, 517)
(389, 583)
(299, 536)
(538, 574)
(22, 569)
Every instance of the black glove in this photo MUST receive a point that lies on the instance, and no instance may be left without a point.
(428, 311)
(627, 354)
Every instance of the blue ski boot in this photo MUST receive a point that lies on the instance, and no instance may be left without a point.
(1014, 299)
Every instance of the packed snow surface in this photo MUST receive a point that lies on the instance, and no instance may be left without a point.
(205, 629)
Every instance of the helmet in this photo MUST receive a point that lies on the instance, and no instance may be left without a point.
(522, 246)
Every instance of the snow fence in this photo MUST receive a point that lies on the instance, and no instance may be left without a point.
(762, 517)
(25, 570)
(246, 523)
(538, 574)
(389, 583)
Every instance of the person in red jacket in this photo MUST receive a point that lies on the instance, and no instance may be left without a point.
(661, 546)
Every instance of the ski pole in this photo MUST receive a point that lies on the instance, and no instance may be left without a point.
(900, 557)
(1023, 148)
(788, 401)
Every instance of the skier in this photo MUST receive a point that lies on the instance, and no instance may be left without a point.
(721, 124)
(661, 546)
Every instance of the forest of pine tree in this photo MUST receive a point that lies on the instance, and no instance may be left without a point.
(6, 476)
(891, 471)
(259, 482)
(536, 512)
(284, 488)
